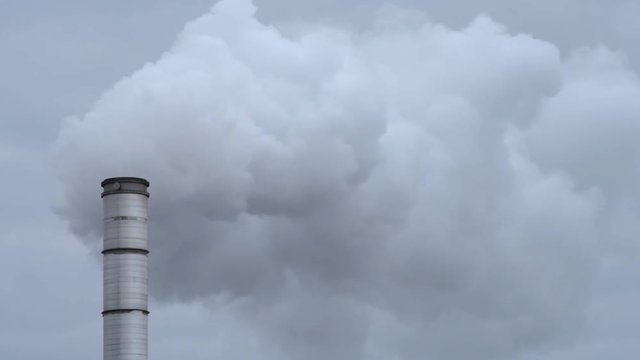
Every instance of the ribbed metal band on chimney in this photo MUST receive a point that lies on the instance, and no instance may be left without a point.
(125, 264)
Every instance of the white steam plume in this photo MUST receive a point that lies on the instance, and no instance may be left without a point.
(388, 195)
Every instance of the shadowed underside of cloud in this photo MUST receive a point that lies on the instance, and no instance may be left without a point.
(409, 192)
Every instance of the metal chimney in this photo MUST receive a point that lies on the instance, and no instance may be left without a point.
(125, 264)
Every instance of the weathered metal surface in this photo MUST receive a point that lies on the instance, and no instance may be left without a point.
(125, 265)
(125, 221)
(125, 281)
(125, 336)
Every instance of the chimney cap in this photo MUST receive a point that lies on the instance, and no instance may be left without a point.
(125, 179)
(120, 185)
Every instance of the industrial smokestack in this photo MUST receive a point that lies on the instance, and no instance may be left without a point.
(125, 249)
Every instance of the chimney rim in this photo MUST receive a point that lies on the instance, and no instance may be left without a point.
(125, 179)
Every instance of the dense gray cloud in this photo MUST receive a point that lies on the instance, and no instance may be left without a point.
(59, 56)
(567, 23)
(406, 192)
(595, 107)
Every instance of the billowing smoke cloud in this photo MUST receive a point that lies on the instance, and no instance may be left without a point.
(411, 192)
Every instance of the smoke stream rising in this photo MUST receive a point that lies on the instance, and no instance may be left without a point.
(411, 192)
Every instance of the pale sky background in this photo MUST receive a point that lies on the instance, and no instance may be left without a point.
(483, 185)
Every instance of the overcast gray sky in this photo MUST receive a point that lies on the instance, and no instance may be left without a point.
(330, 180)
